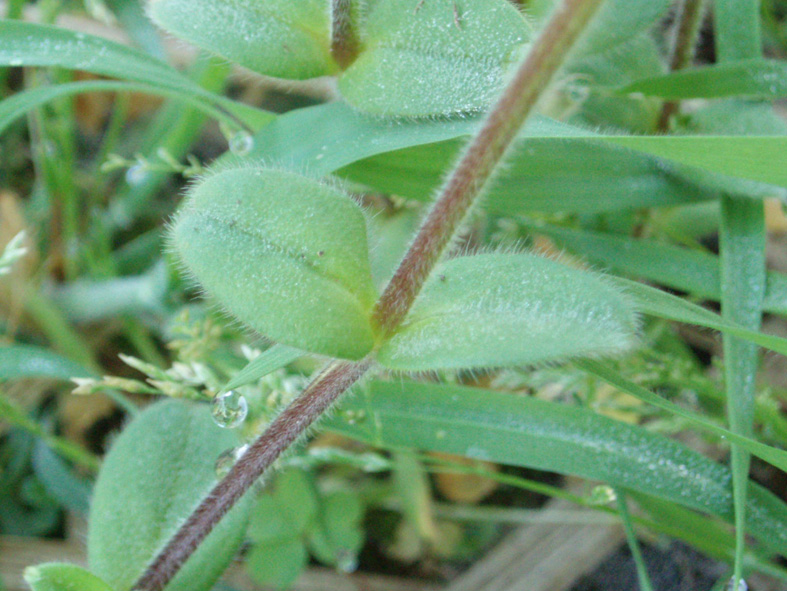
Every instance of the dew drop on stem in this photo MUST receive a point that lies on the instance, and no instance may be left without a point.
(241, 143)
(742, 585)
(346, 562)
(229, 409)
(227, 459)
(136, 174)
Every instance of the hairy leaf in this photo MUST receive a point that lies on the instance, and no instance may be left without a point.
(54, 576)
(510, 309)
(432, 57)
(278, 38)
(284, 253)
(157, 471)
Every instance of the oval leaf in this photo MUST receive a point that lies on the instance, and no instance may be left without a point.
(278, 38)
(56, 576)
(157, 471)
(284, 253)
(432, 57)
(497, 310)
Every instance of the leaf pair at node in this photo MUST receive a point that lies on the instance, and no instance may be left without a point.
(288, 256)
(413, 57)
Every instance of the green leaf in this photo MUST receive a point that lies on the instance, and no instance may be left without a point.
(54, 576)
(495, 310)
(277, 38)
(278, 564)
(553, 167)
(70, 490)
(591, 76)
(284, 253)
(157, 471)
(693, 271)
(518, 430)
(618, 21)
(17, 105)
(131, 15)
(287, 511)
(754, 78)
(29, 44)
(268, 361)
(339, 536)
(28, 361)
(296, 494)
(655, 302)
(433, 57)
(772, 455)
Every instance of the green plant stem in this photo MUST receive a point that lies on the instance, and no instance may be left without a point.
(15, 415)
(742, 251)
(465, 184)
(633, 544)
(737, 29)
(476, 167)
(691, 13)
(344, 37)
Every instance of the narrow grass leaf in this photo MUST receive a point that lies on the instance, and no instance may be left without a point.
(755, 78)
(29, 361)
(553, 166)
(268, 361)
(71, 490)
(518, 430)
(494, 310)
(772, 455)
(692, 271)
(736, 27)
(30, 44)
(655, 302)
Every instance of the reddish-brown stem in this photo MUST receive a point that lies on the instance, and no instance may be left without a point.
(282, 432)
(684, 45)
(481, 157)
(344, 36)
(463, 187)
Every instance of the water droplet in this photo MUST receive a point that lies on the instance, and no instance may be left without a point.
(227, 459)
(742, 585)
(136, 174)
(241, 143)
(602, 495)
(346, 562)
(229, 409)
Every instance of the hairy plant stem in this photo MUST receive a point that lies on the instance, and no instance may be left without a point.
(690, 15)
(282, 432)
(477, 165)
(463, 187)
(344, 36)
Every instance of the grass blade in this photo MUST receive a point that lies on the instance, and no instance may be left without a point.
(518, 430)
(755, 78)
(269, 361)
(692, 271)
